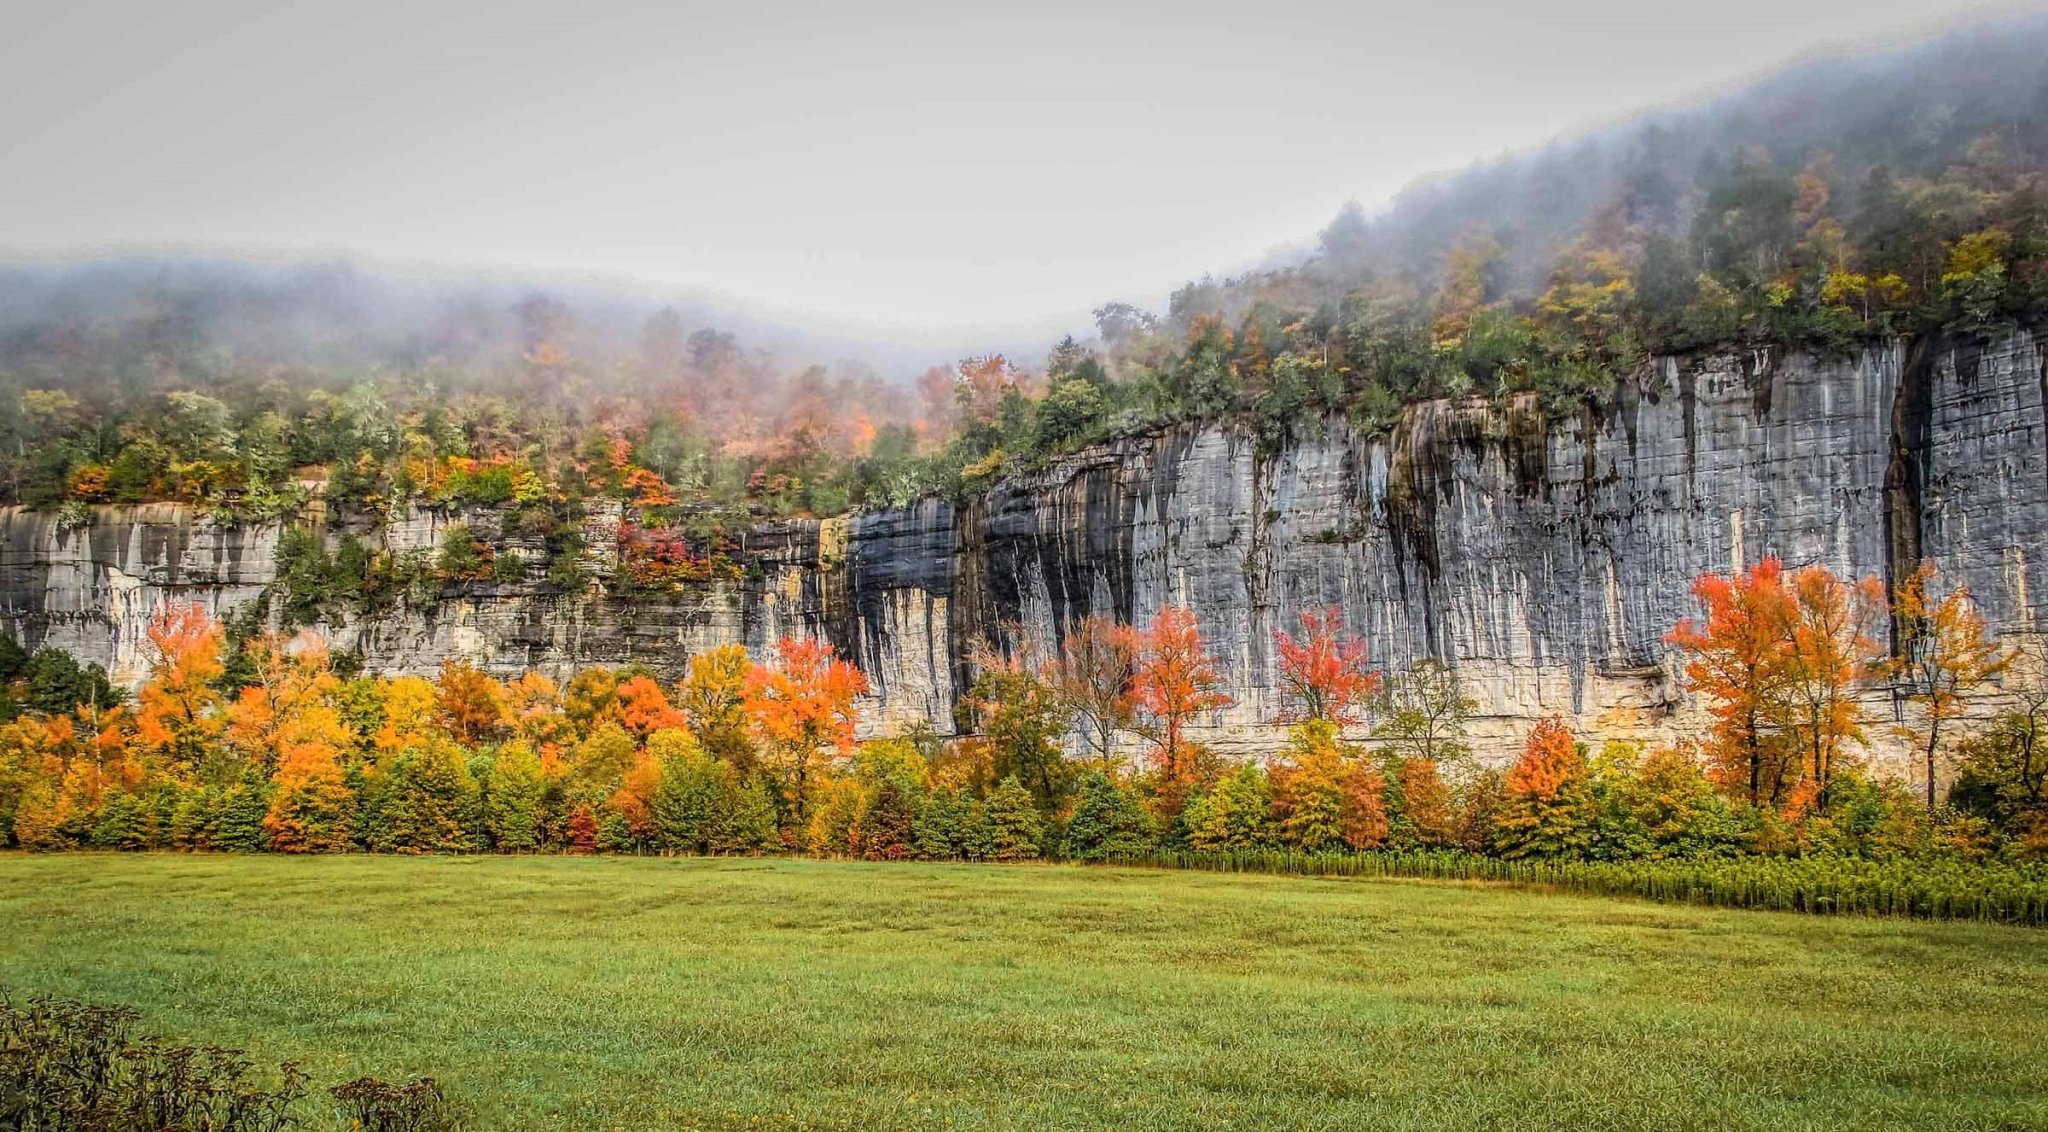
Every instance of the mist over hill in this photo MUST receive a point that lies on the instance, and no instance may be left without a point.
(1847, 199)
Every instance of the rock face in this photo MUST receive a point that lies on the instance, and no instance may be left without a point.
(1545, 561)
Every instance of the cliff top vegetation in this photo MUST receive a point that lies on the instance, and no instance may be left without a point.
(1840, 202)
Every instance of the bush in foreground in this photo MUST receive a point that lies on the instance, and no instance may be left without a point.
(74, 1067)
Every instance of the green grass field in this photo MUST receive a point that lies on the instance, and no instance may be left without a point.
(638, 993)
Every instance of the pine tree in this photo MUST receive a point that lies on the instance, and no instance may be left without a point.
(121, 823)
(1108, 822)
(886, 827)
(977, 832)
(192, 822)
(1015, 825)
(240, 826)
(937, 828)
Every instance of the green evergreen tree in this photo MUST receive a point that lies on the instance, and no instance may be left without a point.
(1015, 825)
(192, 822)
(1108, 822)
(936, 830)
(886, 827)
(239, 828)
(615, 833)
(121, 823)
(977, 832)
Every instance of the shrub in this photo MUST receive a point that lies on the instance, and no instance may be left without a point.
(76, 1067)
(416, 1106)
(1921, 889)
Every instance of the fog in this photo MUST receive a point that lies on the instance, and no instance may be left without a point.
(905, 174)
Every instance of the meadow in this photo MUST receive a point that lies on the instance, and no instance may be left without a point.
(591, 993)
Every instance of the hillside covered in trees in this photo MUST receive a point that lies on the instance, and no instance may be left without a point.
(1846, 200)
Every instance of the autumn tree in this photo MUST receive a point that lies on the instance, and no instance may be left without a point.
(533, 705)
(591, 698)
(713, 698)
(1946, 658)
(1736, 658)
(1175, 682)
(1419, 807)
(1547, 804)
(287, 714)
(287, 723)
(802, 708)
(1830, 655)
(405, 709)
(1093, 676)
(1325, 794)
(470, 703)
(178, 713)
(1326, 671)
(644, 707)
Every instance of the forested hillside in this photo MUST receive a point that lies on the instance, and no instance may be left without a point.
(1843, 200)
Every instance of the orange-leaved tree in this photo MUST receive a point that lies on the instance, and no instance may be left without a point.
(1326, 670)
(471, 703)
(802, 707)
(644, 707)
(1831, 654)
(1175, 681)
(178, 710)
(1946, 657)
(1547, 808)
(1736, 658)
(288, 721)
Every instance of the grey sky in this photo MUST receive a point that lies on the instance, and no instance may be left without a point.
(906, 163)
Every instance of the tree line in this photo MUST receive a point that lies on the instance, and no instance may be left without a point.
(1088, 749)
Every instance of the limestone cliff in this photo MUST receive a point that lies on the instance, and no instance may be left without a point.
(1545, 560)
